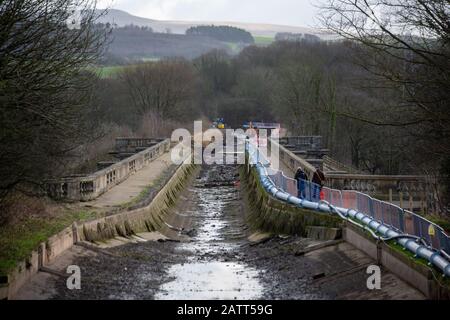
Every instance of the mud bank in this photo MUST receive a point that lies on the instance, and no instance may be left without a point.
(149, 218)
(121, 225)
(313, 224)
(213, 257)
(209, 229)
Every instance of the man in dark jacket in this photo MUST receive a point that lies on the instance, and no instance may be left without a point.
(318, 182)
(318, 177)
(301, 178)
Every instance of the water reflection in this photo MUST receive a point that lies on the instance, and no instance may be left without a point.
(213, 278)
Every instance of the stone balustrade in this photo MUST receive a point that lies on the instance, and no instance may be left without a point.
(135, 144)
(330, 164)
(377, 184)
(291, 160)
(89, 187)
(312, 142)
(400, 189)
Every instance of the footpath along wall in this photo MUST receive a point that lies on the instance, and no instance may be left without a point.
(89, 187)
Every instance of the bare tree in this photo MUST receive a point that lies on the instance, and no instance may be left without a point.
(45, 88)
(162, 87)
(297, 95)
(405, 45)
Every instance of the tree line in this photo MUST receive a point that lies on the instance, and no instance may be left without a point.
(309, 87)
(45, 91)
(222, 33)
(379, 100)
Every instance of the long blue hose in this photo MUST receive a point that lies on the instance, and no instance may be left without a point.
(414, 245)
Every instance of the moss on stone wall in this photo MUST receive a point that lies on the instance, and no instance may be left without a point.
(268, 214)
(149, 218)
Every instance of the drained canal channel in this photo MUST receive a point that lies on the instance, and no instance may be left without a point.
(208, 250)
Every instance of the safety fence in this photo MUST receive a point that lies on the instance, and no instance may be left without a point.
(303, 189)
(391, 215)
(399, 219)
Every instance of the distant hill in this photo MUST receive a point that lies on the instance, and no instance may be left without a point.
(122, 18)
(131, 42)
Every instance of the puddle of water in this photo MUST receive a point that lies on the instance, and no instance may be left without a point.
(209, 237)
(211, 280)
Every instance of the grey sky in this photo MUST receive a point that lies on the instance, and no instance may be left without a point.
(288, 12)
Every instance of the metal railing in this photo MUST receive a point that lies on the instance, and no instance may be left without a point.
(391, 215)
(433, 251)
(401, 220)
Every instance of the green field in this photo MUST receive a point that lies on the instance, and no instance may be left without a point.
(108, 71)
(112, 71)
(263, 41)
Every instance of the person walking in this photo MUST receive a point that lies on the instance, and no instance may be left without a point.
(300, 177)
(318, 181)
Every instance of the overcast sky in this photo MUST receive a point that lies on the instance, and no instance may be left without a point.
(288, 12)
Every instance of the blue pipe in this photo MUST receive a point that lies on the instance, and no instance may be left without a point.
(419, 250)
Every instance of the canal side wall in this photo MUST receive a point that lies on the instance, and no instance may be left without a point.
(148, 218)
(418, 275)
(265, 213)
(268, 214)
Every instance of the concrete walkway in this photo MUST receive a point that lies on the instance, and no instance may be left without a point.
(131, 188)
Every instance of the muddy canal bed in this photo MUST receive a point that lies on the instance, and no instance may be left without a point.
(210, 257)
